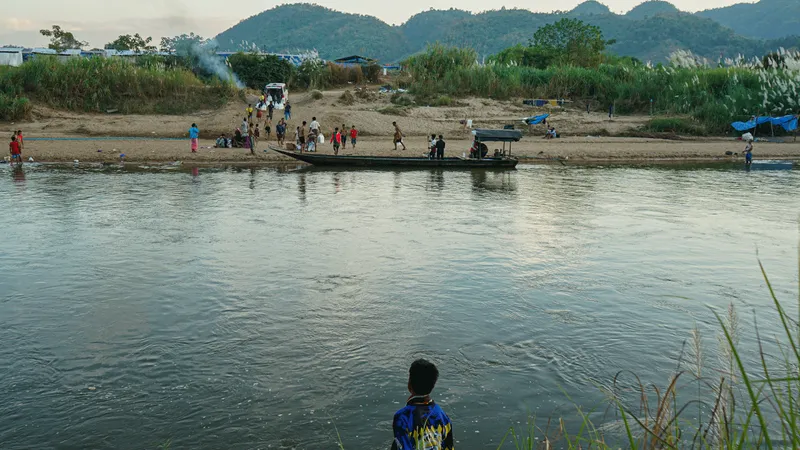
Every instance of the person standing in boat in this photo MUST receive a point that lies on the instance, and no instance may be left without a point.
(440, 145)
(748, 152)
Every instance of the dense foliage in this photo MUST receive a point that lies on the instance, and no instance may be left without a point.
(100, 84)
(256, 71)
(133, 42)
(713, 97)
(61, 39)
(651, 32)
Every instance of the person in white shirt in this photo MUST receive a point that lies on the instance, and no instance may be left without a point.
(314, 127)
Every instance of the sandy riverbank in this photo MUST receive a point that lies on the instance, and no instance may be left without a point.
(574, 149)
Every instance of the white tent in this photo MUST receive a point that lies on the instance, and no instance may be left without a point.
(10, 56)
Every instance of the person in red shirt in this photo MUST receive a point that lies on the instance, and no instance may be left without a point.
(20, 140)
(15, 150)
(336, 140)
(353, 136)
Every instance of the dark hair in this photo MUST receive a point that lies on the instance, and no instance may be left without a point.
(422, 376)
(313, 118)
(441, 137)
(433, 136)
(194, 125)
(304, 122)
(13, 138)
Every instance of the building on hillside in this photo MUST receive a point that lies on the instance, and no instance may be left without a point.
(355, 61)
(11, 56)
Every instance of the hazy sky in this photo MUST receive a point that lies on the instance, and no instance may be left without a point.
(100, 21)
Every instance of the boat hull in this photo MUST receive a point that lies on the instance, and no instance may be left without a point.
(389, 161)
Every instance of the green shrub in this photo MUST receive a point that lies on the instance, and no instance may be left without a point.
(443, 100)
(13, 107)
(394, 111)
(401, 99)
(256, 71)
(99, 84)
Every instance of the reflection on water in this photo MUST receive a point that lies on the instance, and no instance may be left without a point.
(248, 308)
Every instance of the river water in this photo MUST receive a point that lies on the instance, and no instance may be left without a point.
(267, 308)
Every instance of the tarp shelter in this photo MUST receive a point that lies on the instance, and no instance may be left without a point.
(11, 57)
(536, 120)
(789, 123)
(497, 135)
(355, 60)
(483, 135)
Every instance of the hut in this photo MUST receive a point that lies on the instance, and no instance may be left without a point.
(10, 56)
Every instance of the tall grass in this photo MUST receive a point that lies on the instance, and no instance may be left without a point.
(100, 84)
(713, 96)
(733, 407)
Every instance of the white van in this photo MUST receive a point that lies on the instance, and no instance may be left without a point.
(277, 94)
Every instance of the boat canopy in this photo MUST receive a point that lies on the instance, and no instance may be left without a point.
(498, 135)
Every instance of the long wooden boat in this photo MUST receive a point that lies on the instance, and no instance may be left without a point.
(391, 161)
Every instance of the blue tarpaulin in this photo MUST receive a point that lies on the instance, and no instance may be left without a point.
(535, 120)
(789, 123)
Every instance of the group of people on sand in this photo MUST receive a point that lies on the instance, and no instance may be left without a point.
(15, 147)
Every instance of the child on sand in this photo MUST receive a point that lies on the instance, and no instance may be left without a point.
(422, 420)
(20, 140)
(252, 137)
(336, 140)
(268, 129)
(353, 136)
(344, 137)
(194, 135)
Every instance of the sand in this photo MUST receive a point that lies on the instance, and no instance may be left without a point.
(573, 150)
(375, 125)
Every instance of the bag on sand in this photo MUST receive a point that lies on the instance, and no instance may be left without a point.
(321, 139)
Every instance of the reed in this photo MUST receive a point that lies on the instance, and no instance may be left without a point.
(100, 84)
(712, 96)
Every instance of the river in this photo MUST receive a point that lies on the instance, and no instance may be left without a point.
(271, 308)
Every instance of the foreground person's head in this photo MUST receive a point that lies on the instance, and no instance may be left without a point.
(422, 377)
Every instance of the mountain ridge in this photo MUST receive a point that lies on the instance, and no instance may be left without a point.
(649, 31)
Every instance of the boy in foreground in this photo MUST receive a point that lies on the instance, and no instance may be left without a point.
(15, 150)
(422, 424)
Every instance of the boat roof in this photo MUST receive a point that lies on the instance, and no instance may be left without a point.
(497, 135)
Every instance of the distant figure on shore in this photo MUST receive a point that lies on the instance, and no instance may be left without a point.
(302, 136)
(21, 140)
(15, 150)
(259, 115)
(748, 152)
(551, 133)
(270, 110)
(249, 111)
(314, 125)
(422, 420)
(280, 132)
(440, 145)
(287, 111)
(268, 129)
(222, 142)
(251, 137)
(398, 136)
(194, 135)
(311, 145)
(336, 140)
(238, 139)
(244, 125)
(344, 136)
(610, 111)
(432, 147)
(353, 136)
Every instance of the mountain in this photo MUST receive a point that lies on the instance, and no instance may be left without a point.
(301, 27)
(767, 19)
(590, 8)
(649, 32)
(652, 8)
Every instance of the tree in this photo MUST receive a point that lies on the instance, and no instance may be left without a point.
(184, 43)
(135, 43)
(571, 42)
(257, 70)
(61, 40)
